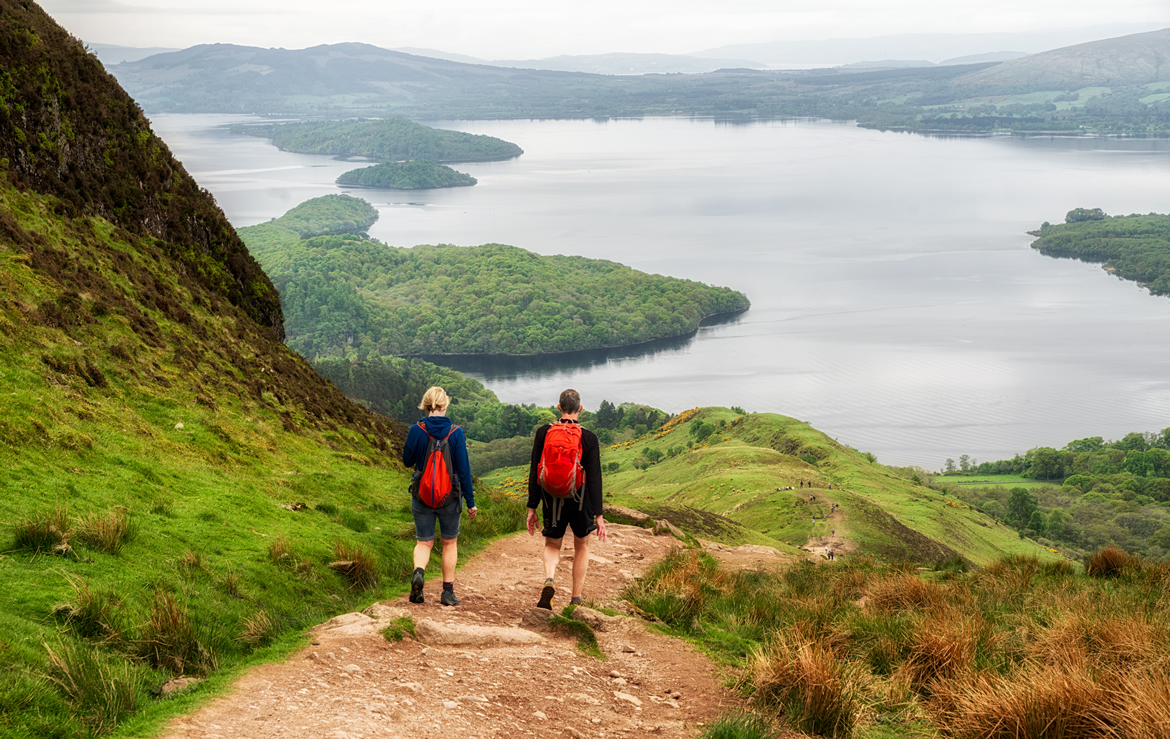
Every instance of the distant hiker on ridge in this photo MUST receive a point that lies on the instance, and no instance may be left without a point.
(437, 450)
(564, 478)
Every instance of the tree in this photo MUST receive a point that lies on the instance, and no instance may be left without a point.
(1020, 506)
(964, 462)
(1078, 215)
(949, 468)
(1036, 523)
(606, 415)
(1047, 463)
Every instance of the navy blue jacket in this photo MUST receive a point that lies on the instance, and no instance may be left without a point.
(414, 451)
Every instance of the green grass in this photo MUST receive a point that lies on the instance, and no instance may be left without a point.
(974, 480)
(182, 514)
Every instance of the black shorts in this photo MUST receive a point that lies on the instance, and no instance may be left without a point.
(581, 521)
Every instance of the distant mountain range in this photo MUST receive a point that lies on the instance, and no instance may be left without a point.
(616, 63)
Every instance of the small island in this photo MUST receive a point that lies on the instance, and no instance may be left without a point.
(1134, 247)
(388, 140)
(345, 294)
(417, 174)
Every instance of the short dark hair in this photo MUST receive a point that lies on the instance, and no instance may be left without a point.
(570, 401)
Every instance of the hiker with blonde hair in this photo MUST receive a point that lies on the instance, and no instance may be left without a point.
(564, 479)
(437, 449)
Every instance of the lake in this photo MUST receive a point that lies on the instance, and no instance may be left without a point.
(896, 304)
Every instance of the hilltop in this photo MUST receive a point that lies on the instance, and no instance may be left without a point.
(1137, 59)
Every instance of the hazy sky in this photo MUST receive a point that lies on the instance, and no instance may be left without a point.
(536, 28)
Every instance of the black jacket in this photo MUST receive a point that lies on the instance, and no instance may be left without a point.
(590, 460)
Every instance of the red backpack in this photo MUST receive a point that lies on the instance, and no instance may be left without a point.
(560, 473)
(438, 479)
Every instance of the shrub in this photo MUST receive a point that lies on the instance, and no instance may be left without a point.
(100, 689)
(106, 533)
(1111, 562)
(816, 690)
(356, 563)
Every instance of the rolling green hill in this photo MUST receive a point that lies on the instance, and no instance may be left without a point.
(735, 471)
(176, 483)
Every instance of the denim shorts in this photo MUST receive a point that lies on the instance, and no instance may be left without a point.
(425, 517)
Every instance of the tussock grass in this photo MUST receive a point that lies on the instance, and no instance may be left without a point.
(258, 629)
(817, 691)
(100, 689)
(170, 640)
(43, 532)
(93, 614)
(1019, 649)
(1111, 562)
(105, 533)
(356, 563)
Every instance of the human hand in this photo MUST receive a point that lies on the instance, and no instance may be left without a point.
(601, 533)
(471, 512)
(531, 521)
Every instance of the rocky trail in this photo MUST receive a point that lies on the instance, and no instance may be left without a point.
(489, 667)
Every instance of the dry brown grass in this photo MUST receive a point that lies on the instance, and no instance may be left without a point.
(45, 531)
(943, 647)
(281, 553)
(258, 629)
(1033, 703)
(169, 639)
(1111, 562)
(1142, 706)
(818, 691)
(903, 591)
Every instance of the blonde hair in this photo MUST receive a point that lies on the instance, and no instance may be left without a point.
(434, 399)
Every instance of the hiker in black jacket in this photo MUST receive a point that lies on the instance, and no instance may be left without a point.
(583, 516)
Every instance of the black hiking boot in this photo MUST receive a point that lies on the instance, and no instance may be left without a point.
(448, 598)
(546, 595)
(416, 586)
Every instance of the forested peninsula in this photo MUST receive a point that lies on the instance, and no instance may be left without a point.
(1134, 247)
(350, 295)
(417, 174)
(388, 140)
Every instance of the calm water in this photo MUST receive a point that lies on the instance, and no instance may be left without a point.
(895, 302)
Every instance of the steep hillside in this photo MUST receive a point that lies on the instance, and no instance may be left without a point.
(1136, 59)
(180, 493)
(772, 475)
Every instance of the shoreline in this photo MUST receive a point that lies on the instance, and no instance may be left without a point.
(702, 322)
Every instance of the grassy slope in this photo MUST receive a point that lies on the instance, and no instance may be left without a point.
(737, 472)
(205, 499)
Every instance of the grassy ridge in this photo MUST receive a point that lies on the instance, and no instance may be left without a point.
(172, 490)
(736, 469)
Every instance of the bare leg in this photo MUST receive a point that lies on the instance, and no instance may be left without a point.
(422, 553)
(580, 563)
(552, 556)
(450, 554)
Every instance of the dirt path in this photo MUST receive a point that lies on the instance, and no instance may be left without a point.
(352, 683)
(829, 532)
